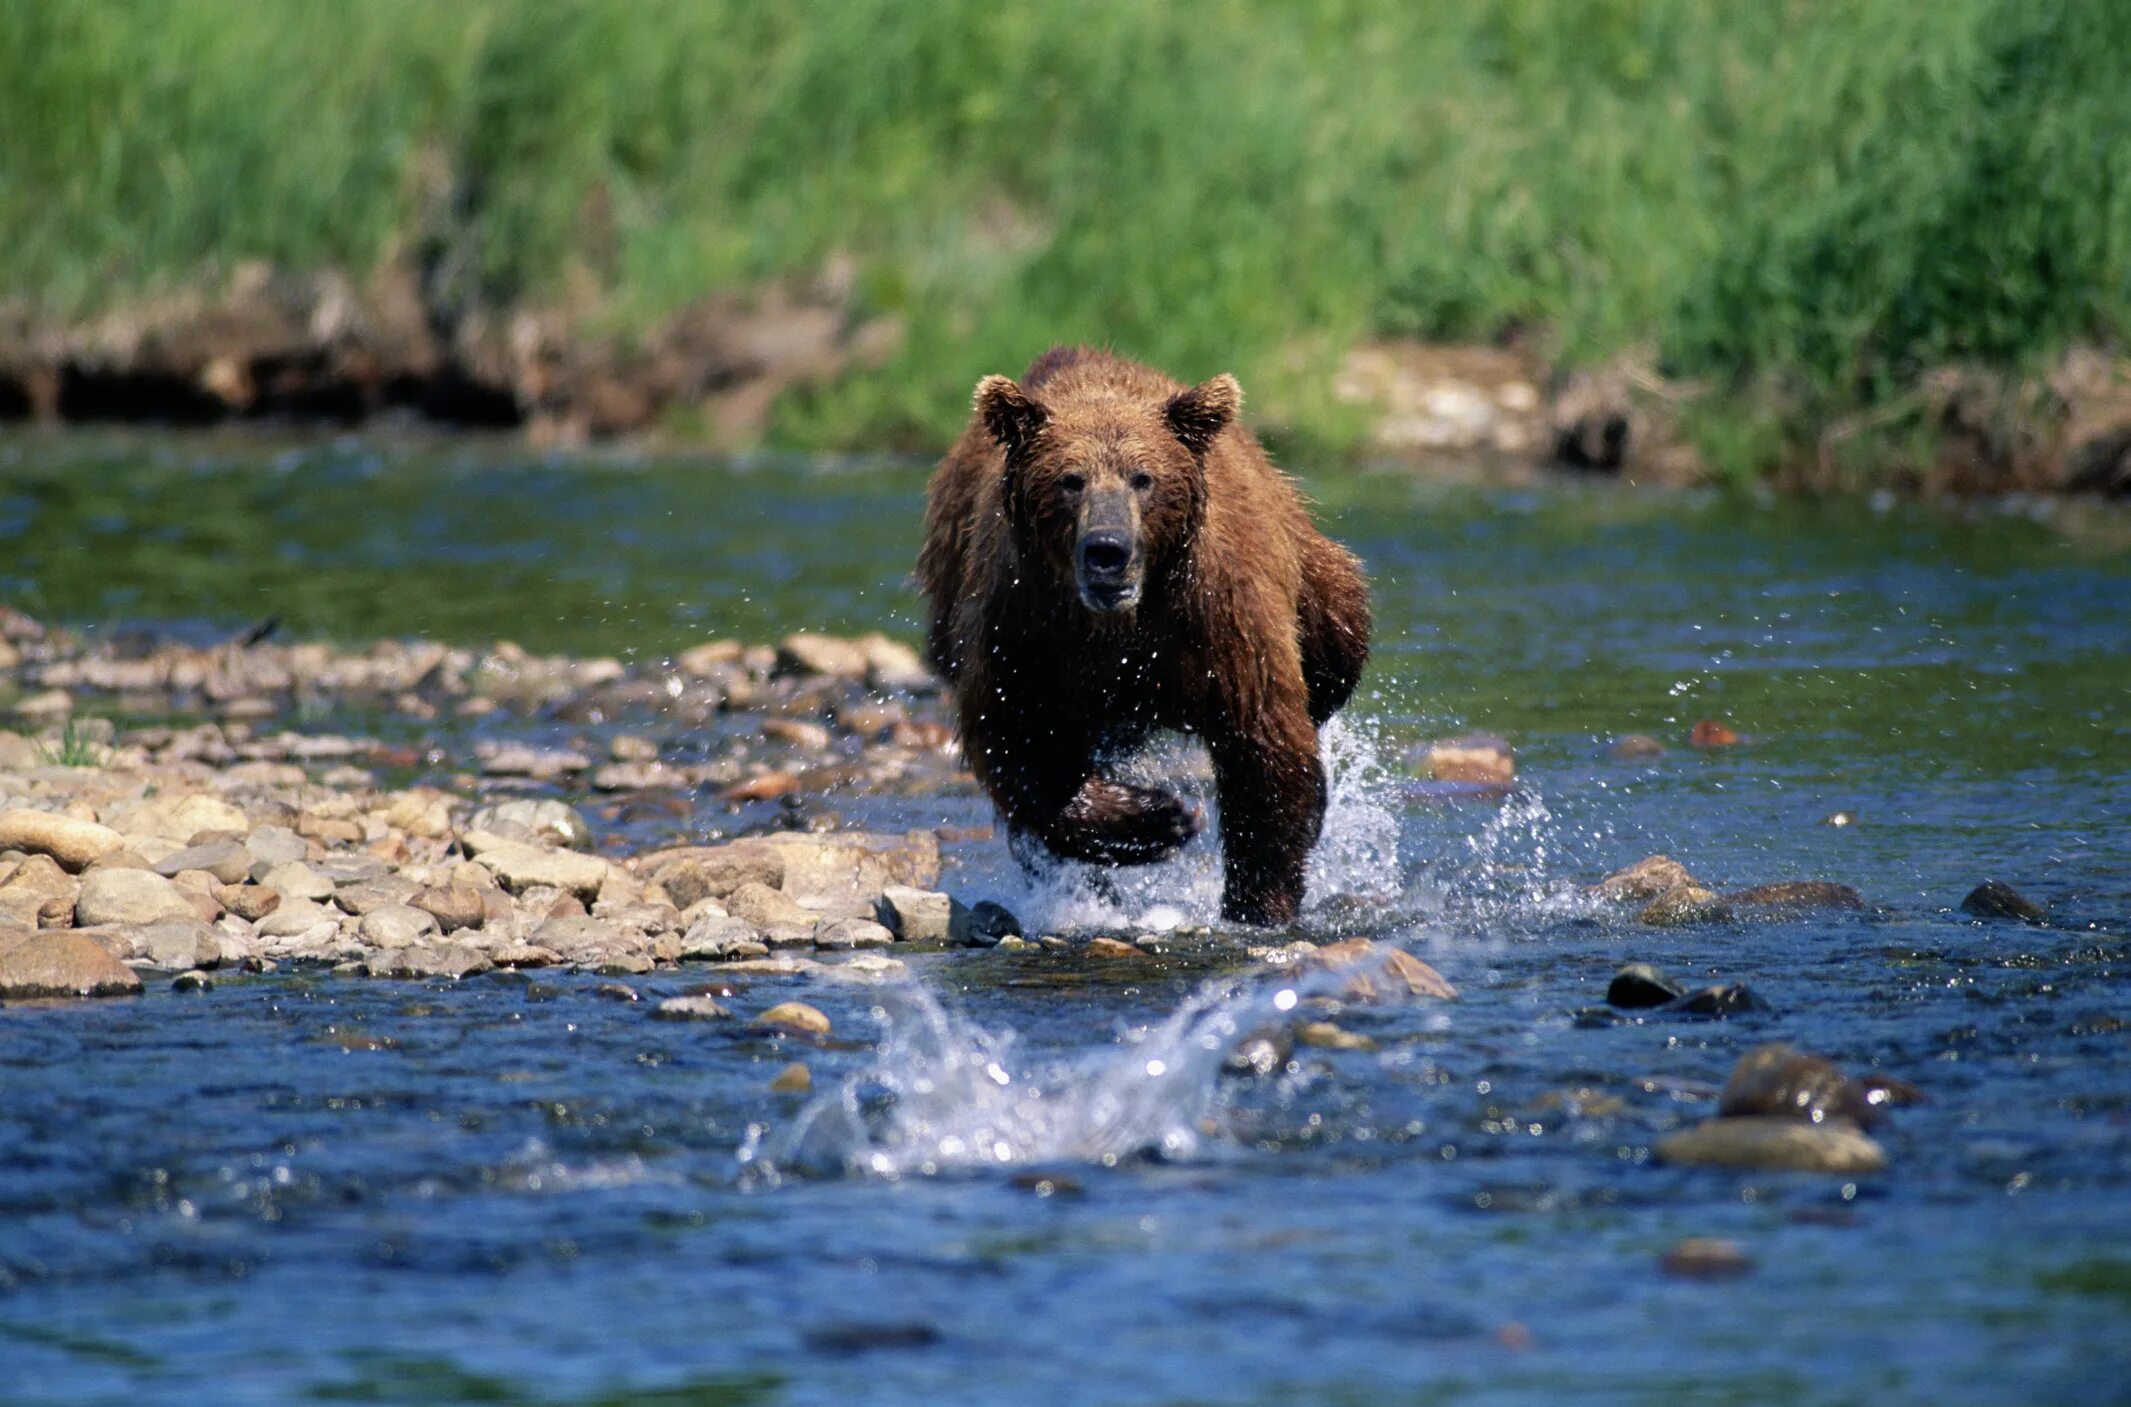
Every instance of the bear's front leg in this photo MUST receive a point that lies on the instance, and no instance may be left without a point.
(1272, 808)
(1044, 782)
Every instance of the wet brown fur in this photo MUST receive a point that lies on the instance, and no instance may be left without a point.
(1251, 630)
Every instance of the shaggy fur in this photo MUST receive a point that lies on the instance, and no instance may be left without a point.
(1107, 553)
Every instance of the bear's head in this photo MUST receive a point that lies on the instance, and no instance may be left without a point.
(1102, 491)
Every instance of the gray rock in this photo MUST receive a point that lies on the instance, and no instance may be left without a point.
(518, 867)
(295, 880)
(227, 860)
(129, 897)
(178, 943)
(360, 899)
(453, 960)
(550, 822)
(917, 915)
(271, 846)
(295, 918)
(397, 926)
(721, 938)
(345, 870)
(847, 933)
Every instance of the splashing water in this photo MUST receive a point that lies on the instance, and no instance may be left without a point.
(1356, 857)
(944, 1094)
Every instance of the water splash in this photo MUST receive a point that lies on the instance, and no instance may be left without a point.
(943, 1093)
(1357, 857)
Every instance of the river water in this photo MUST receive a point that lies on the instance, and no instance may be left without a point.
(1025, 1177)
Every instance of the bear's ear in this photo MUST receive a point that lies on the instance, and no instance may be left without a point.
(1012, 417)
(1197, 415)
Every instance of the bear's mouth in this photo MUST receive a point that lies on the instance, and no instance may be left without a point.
(1107, 598)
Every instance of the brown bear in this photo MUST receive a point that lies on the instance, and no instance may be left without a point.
(1108, 552)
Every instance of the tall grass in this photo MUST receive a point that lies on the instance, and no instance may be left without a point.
(1815, 196)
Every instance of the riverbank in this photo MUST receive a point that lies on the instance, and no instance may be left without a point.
(1879, 250)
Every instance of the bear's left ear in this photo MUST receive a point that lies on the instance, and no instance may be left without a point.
(1012, 416)
(1197, 415)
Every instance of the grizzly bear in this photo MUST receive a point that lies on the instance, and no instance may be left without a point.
(1109, 552)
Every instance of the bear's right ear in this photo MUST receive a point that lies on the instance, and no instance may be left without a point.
(1013, 419)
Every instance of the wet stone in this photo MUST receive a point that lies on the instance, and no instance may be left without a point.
(795, 1016)
(689, 1009)
(1785, 1145)
(721, 938)
(984, 924)
(1780, 1081)
(192, 980)
(1682, 904)
(455, 961)
(61, 965)
(1996, 899)
(1639, 985)
(1795, 894)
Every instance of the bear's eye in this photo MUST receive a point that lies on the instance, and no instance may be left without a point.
(1071, 484)
(1142, 481)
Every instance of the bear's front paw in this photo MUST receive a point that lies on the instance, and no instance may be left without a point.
(1111, 823)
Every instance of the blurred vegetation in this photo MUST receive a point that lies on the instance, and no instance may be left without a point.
(1802, 204)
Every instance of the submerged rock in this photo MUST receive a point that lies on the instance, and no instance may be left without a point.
(1780, 1081)
(1786, 1145)
(1796, 894)
(1730, 999)
(1645, 879)
(1470, 759)
(795, 1016)
(1683, 904)
(689, 1009)
(1705, 1258)
(1637, 746)
(1995, 899)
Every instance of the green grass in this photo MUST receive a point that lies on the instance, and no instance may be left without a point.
(1803, 205)
(70, 749)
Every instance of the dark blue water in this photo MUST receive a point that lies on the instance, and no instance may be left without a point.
(300, 1187)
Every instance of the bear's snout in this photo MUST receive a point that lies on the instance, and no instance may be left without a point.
(1108, 579)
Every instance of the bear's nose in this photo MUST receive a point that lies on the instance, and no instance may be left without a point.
(1105, 554)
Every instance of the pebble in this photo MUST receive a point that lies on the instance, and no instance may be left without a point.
(270, 846)
(720, 938)
(295, 917)
(129, 897)
(455, 960)
(1788, 1145)
(1471, 759)
(1111, 949)
(807, 653)
(795, 1016)
(519, 867)
(73, 843)
(192, 980)
(1780, 1081)
(227, 860)
(763, 906)
(690, 1009)
(174, 944)
(250, 902)
(1996, 899)
(794, 1078)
